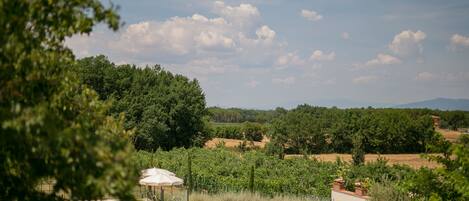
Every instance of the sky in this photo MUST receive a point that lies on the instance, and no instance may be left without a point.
(268, 53)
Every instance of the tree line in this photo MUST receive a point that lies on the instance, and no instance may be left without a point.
(449, 119)
(238, 115)
(251, 131)
(308, 129)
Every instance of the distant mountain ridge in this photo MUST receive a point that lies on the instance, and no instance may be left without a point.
(439, 103)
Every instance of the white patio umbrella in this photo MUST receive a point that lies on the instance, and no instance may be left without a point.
(156, 171)
(161, 180)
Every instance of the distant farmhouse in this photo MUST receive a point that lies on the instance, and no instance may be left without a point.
(436, 121)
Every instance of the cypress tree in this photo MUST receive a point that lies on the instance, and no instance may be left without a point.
(189, 172)
(251, 180)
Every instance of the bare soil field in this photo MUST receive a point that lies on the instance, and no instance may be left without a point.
(412, 160)
(449, 135)
(232, 143)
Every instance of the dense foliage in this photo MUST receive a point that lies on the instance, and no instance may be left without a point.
(166, 110)
(51, 126)
(308, 129)
(238, 115)
(221, 170)
(448, 182)
(454, 119)
(242, 131)
(449, 119)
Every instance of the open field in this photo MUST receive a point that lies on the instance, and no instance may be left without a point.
(412, 160)
(449, 135)
(232, 143)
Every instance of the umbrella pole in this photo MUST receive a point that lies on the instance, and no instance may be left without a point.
(162, 194)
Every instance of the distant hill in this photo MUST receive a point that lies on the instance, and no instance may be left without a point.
(439, 103)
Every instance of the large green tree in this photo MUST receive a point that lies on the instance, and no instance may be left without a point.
(51, 127)
(167, 110)
(300, 131)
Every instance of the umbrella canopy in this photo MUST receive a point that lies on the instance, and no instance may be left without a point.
(156, 171)
(161, 180)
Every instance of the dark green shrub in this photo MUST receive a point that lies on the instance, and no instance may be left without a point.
(253, 131)
(387, 191)
(274, 149)
(228, 131)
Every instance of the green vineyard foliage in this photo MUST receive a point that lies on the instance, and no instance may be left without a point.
(221, 170)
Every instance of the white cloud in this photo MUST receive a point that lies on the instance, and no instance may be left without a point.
(289, 59)
(215, 40)
(195, 46)
(459, 40)
(265, 38)
(204, 68)
(180, 40)
(318, 55)
(287, 80)
(178, 35)
(84, 45)
(184, 38)
(81, 44)
(408, 43)
(383, 59)
(425, 76)
(243, 15)
(364, 79)
(345, 35)
(265, 33)
(310, 15)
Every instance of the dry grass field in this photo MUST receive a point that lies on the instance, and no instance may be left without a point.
(412, 160)
(232, 143)
(449, 135)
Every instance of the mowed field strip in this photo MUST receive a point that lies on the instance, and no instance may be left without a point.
(412, 160)
(232, 143)
(449, 135)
